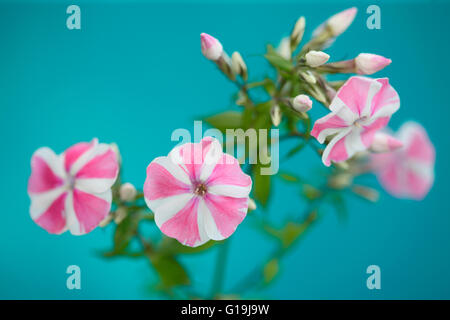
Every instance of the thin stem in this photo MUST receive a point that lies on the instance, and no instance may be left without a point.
(219, 273)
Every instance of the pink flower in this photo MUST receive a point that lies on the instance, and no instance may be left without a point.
(368, 63)
(197, 192)
(72, 190)
(409, 171)
(211, 47)
(360, 108)
(383, 142)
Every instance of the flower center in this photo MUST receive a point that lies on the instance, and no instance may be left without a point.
(358, 122)
(200, 189)
(71, 182)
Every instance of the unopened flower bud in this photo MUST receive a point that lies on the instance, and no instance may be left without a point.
(121, 213)
(251, 204)
(382, 142)
(127, 192)
(368, 63)
(284, 48)
(316, 58)
(302, 103)
(297, 33)
(238, 65)
(338, 23)
(275, 115)
(308, 77)
(211, 47)
(367, 193)
(340, 180)
(107, 220)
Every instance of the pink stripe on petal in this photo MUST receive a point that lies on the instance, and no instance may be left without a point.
(42, 177)
(53, 219)
(89, 209)
(329, 121)
(226, 212)
(416, 185)
(354, 93)
(193, 155)
(73, 153)
(420, 146)
(103, 166)
(184, 225)
(390, 178)
(338, 153)
(160, 183)
(228, 172)
(385, 96)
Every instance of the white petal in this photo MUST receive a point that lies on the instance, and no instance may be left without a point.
(40, 202)
(165, 208)
(211, 159)
(230, 190)
(208, 222)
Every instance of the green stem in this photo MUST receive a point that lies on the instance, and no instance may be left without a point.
(219, 273)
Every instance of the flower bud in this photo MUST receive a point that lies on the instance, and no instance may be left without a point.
(316, 58)
(121, 213)
(251, 204)
(275, 115)
(284, 48)
(238, 65)
(340, 181)
(297, 33)
(127, 192)
(211, 47)
(367, 193)
(302, 103)
(338, 23)
(105, 221)
(308, 77)
(367, 63)
(382, 142)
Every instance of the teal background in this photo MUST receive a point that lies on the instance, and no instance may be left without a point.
(134, 73)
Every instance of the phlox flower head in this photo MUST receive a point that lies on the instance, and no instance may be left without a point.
(72, 191)
(407, 172)
(197, 192)
(361, 107)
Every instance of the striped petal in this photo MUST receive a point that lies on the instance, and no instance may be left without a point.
(47, 171)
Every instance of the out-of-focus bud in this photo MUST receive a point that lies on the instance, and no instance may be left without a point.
(340, 180)
(127, 192)
(366, 193)
(284, 48)
(302, 103)
(211, 47)
(297, 33)
(382, 142)
(121, 213)
(308, 77)
(238, 65)
(251, 204)
(275, 115)
(106, 221)
(316, 58)
(338, 23)
(368, 63)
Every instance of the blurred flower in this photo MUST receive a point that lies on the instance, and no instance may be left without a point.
(284, 48)
(316, 58)
(197, 192)
(360, 108)
(368, 63)
(297, 34)
(302, 103)
(383, 142)
(238, 65)
(127, 192)
(339, 22)
(211, 47)
(409, 171)
(72, 190)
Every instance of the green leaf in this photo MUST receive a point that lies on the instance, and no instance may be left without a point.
(290, 177)
(278, 61)
(170, 271)
(295, 150)
(226, 120)
(310, 192)
(271, 270)
(125, 231)
(261, 189)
